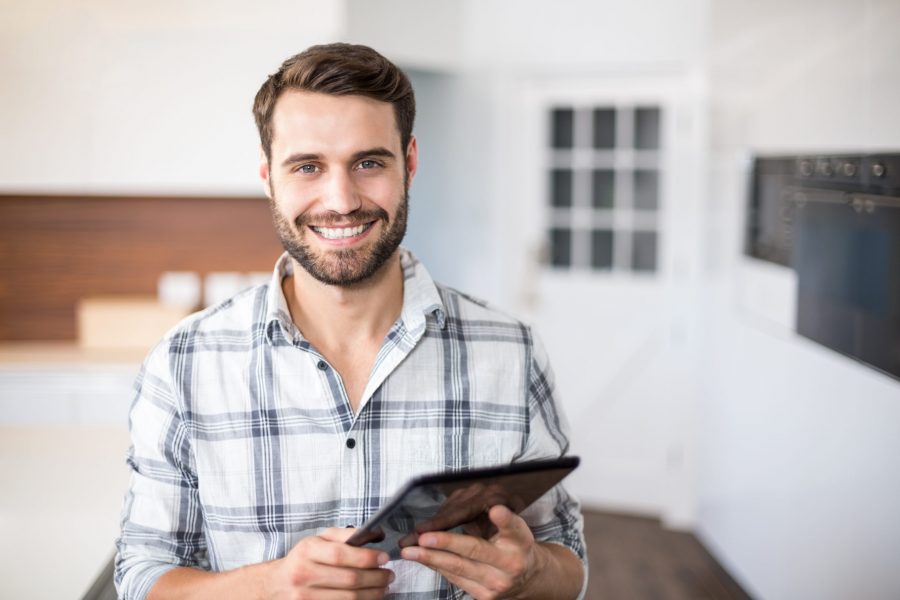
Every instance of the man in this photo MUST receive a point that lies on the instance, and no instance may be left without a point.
(268, 426)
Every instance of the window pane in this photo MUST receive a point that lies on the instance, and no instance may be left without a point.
(646, 128)
(562, 134)
(603, 188)
(643, 253)
(601, 249)
(560, 247)
(604, 128)
(561, 187)
(646, 190)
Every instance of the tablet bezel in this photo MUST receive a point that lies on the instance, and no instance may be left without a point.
(462, 477)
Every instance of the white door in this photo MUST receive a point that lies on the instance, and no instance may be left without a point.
(604, 252)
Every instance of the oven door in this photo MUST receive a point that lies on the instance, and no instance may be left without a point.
(847, 258)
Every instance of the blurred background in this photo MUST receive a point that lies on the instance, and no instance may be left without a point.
(596, 167)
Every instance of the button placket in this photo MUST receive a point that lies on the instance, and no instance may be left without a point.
(351, 474)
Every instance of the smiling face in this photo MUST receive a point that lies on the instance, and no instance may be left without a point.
(338, 183)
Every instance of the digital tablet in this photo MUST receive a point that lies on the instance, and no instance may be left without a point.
(458, 501)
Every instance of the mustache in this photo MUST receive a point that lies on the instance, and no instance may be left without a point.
(357, 217)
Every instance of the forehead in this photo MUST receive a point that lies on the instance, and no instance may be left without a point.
(325, 124)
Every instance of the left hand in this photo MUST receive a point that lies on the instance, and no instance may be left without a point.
(501, 567)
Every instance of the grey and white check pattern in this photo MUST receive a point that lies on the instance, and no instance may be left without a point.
(239, 430)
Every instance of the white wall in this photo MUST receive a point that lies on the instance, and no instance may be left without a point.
(142, 97)
(417, 34)
(580, 36)
(799, 487)
(619, 344)
(450, 225)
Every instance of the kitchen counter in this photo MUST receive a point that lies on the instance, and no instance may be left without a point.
(50, 355)
(63, 384)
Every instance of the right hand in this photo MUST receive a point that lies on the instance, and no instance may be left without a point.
(465, 507)
(323, 566)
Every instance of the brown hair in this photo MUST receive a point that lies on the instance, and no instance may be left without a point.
(339, 70)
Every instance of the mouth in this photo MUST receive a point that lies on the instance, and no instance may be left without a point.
(341, 233)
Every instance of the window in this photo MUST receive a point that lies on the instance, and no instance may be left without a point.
(604, 187)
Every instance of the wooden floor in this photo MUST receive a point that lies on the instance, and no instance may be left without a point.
(635, 558)
(631, 558)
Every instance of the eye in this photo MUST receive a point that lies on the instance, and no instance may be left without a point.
(308, 169)
(368, 164)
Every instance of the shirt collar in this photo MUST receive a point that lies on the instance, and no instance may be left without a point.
(420, 298)
(420, 295)
(277, 313)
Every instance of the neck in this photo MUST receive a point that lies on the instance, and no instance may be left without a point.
(336, 317)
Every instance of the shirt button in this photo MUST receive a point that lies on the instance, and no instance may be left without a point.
(351, 443)
(322, 365)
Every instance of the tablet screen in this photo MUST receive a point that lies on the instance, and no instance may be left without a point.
(458, 501)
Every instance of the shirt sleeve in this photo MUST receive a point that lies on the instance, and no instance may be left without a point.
(556, 517)
(161, 524)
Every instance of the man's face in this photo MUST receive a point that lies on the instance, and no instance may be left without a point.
(338, 183)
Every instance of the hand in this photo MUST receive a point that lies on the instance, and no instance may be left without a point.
(501, 567)
(323, 566)
(465, 507)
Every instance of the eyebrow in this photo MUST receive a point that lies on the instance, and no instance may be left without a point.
(298, 157)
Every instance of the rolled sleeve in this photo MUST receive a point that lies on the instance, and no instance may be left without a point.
(161, 524)
(556, 517)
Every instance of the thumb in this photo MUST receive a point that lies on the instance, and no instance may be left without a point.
(509, 523)
(337, 534)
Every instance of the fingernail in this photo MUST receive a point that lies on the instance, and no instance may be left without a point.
(426, 540)
(392, 577)
(383, 559)
(410, 553)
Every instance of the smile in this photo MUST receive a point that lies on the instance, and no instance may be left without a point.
(339, 233)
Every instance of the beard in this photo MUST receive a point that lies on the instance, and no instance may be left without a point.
(345, 266)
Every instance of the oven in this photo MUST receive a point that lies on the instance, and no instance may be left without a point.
(835, 219)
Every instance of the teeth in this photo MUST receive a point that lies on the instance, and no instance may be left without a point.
(336, 233)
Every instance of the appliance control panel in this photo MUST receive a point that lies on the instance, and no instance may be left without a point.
(780, 184)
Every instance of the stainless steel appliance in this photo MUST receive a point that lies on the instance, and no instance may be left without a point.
(835, 219)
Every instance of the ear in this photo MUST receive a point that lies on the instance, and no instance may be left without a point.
(412, 160)
(264, 173)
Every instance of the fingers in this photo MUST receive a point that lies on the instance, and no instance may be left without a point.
(481, 580)
(328, 548)
(455, 546)
(475, 564)
(341, 578)
(447, 562)
(510, 525)
(474, 588)
(502, 517)
(373, 594)
(337, 534)
(512, 533)
(326, 567)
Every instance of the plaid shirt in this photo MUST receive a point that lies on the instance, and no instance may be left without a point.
(240, 430)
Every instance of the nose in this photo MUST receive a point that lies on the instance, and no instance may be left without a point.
(340, 194)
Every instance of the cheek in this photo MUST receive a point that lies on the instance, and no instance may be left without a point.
(292, 200)
(384, 192)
